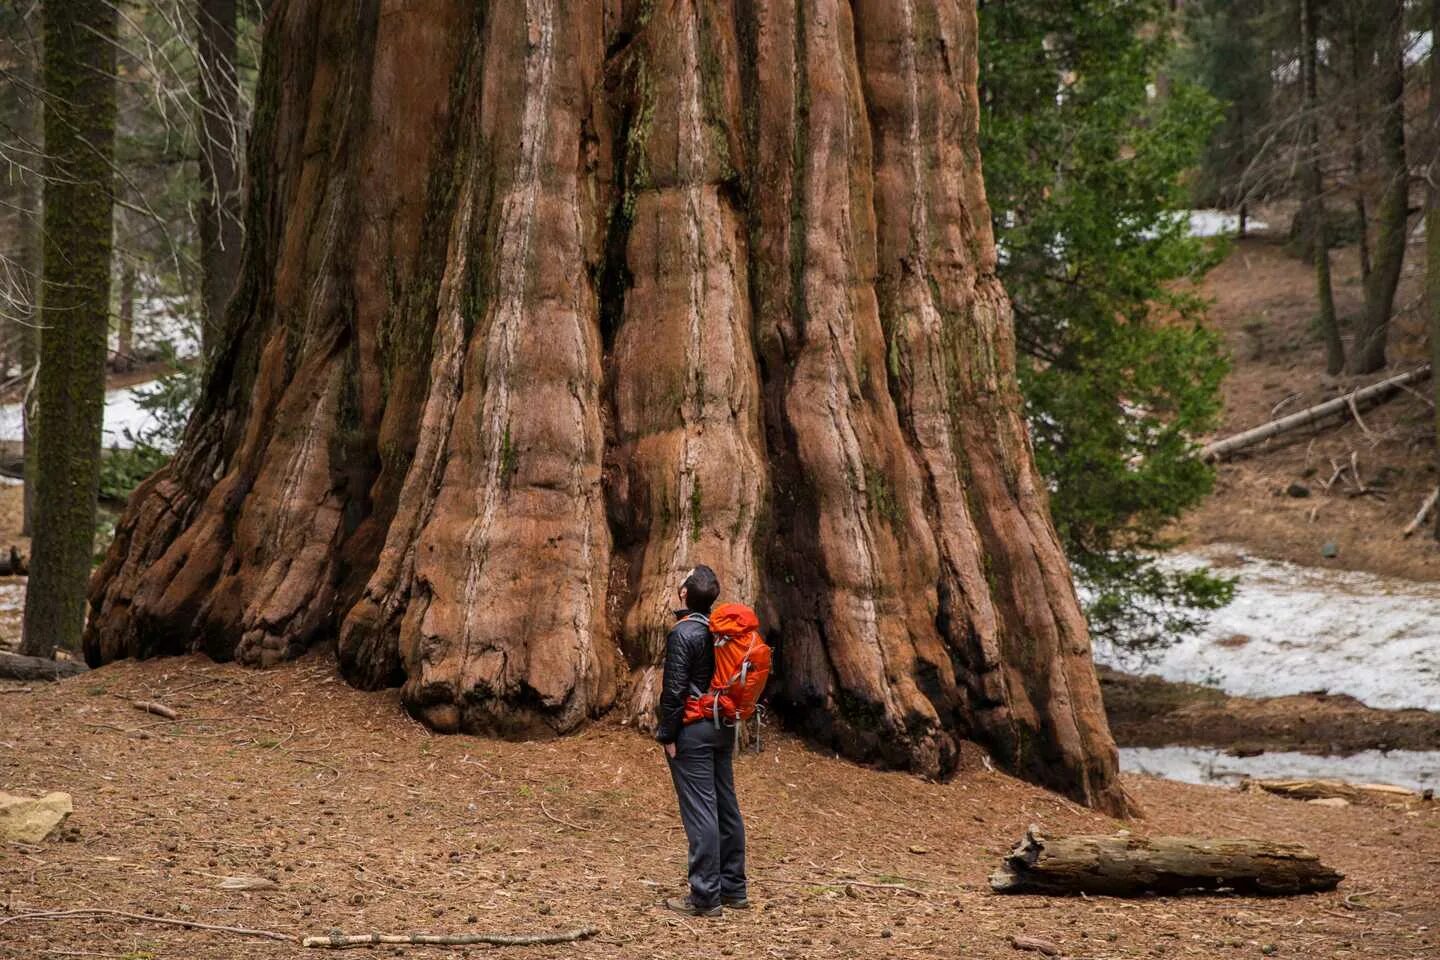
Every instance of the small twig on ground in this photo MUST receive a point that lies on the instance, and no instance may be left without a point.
(1423, 399)
(151, 706)
(1339, 469)
(841, 883)
(1422, 513)
(1355, 412)
(560, 820)
(145, 918)
(16, 689)
(340, 940)
(1360, 487)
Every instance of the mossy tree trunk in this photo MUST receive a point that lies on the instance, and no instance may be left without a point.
(79, 84)
(218, 95)
(545, 302)
(1368, 352)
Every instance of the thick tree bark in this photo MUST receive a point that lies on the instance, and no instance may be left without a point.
(1314, 194)
(1368, 353)
(1127, 865)
(602, 291)
(75, 313)
(218, 94)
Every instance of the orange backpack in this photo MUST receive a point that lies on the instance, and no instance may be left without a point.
(742, 665)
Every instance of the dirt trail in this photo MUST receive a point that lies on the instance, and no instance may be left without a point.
(367, 822)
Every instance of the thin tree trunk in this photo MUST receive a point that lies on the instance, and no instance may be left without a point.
(1368, 354)
(221, 232)
(1360, 65)
(80, 38)
(1432, 225)
(526, 328)
(1314, 194)
(30, 147)
(125, 337)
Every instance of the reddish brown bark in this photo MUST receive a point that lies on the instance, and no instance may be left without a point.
(602, 291)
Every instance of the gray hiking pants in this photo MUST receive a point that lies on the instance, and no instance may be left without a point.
(704, 774)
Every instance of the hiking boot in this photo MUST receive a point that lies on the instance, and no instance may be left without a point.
(735, 903)
(690, 908)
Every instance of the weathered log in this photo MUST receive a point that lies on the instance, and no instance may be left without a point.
(1376, 391)
(1334, 789)
(14, 666)
(1127, 865)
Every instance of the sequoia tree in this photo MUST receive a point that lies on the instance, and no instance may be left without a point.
(544, 302)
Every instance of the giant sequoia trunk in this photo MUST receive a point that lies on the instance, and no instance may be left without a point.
(544, 302)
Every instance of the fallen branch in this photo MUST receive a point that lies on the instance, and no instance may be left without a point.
(150, 706)
(146, 918)
(1423, 512)
(1309, 789)
(1248, 438)
(560, 820)
(1127, 865)
(15, 666)
(340, 941)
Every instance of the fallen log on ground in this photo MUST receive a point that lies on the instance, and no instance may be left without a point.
(340, 941)
(1128, 865)
(15, 666)
(1348, 402)
(1335, 790)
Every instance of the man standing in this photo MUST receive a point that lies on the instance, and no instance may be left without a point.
(701, 758)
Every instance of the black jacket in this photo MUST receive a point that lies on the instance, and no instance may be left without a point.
(689, 664)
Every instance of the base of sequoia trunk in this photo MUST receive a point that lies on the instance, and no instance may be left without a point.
(544, 302)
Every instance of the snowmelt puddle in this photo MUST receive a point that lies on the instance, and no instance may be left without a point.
(1416, 769)
(1294, 629)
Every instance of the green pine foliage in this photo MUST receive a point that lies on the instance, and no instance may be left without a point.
(1086, 173)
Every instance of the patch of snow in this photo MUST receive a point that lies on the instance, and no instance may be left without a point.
(1214, 223)
(1417, 47)
(1416, 769)
(1293, 629)
(163, 320)
(122, 413)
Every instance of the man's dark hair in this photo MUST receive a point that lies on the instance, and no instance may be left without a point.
(701, 589)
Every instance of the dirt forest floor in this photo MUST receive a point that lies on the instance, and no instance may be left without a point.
(366, 822)
(1263, 303)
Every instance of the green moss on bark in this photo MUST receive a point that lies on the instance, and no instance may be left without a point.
(79, 80)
